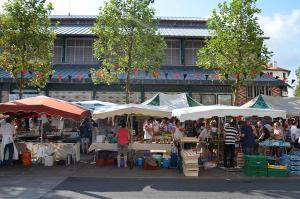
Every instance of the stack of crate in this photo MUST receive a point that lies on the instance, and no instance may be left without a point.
(240, 160)
(294, 163)
(190, 162)
(277, 170)
(255, 165)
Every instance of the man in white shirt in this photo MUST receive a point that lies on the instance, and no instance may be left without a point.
(148, 129)
(7, 131)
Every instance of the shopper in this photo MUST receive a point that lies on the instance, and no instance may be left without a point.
(278, 131)
(148, 129)
(7, 131)
(248, 138)
(229, 147)
(86, 134)
(295, 134)
(123, 142)
(214, 129)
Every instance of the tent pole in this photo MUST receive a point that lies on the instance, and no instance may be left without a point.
(219, 131)
(42, 131)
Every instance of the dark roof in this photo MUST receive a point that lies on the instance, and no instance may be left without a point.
(167, 75)
(164, 31)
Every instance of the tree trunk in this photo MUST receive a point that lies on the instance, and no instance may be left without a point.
(127, 86)
(21, 86)
(236, 88)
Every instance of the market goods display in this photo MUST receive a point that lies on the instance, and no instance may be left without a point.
(255, 165)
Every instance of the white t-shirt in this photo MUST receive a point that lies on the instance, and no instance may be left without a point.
(147, 133)
(177, 134)
(7, 131)
(295, 133)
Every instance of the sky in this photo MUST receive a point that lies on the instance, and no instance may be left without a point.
(279, 19)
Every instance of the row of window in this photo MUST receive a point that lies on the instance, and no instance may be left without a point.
(80, 51)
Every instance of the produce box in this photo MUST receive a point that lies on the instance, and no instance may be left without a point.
(282, 167)
(277, 172)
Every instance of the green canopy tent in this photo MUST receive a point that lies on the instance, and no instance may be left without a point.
(181, 100)
(289, 104)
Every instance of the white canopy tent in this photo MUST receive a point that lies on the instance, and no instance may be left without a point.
(136, 109)
(194, 113)
(290, 104)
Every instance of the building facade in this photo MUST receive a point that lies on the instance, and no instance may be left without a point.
(73, 58)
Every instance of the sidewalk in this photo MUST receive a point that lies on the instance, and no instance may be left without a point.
(91, 170)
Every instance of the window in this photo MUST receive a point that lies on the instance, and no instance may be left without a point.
(172, 52)
(225, 99)
(80, 51)
(190, 51)
(253, 91)
(284, 75)
(57, 51)
(208, 99)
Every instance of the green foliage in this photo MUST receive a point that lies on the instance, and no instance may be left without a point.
(297, 90)
(128, 40)
(26, 41)
(236, 46)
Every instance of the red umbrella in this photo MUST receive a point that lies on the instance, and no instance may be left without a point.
(47, 105)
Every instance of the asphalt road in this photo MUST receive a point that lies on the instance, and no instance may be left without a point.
(73, 187)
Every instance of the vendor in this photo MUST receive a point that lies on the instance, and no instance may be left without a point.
(148, 129)
(178, 132)
(7, 131)
(248, 135)
(278, 131)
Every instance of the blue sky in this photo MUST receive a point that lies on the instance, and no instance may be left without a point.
(280, 19)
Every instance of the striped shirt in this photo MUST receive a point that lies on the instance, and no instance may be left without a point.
(230, 135)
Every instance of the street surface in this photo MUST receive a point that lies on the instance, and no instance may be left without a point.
(105, 188)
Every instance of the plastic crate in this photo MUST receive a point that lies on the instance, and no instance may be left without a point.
(256, 173)
(295, 168)
(255, 168)
(294, 157)
(259, 158)
(295, 163)
(277, 172)
(282, 167)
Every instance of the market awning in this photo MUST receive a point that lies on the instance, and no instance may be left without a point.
(46, 105)
(94, 104)
(289, 104)
(194, 113)
(136, 109)
(181, 100)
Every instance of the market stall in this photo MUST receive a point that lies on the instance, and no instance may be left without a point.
(181, 100)
(194, 113)
(289, 104)
(94, 104)
(46, 126)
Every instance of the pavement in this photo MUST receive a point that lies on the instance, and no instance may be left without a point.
(86, 180)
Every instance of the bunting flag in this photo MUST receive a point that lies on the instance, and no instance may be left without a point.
(79, 77)
(24, 72)
(197, 76)
(99, 73)
(59, 77)
(40, 74)
(217, 76)
(176, 76)
(156, 74)
(136, 72)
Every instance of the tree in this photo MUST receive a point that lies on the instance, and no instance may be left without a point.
(236, 47)
(127, 41)
(26, 41)
(297, 90)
